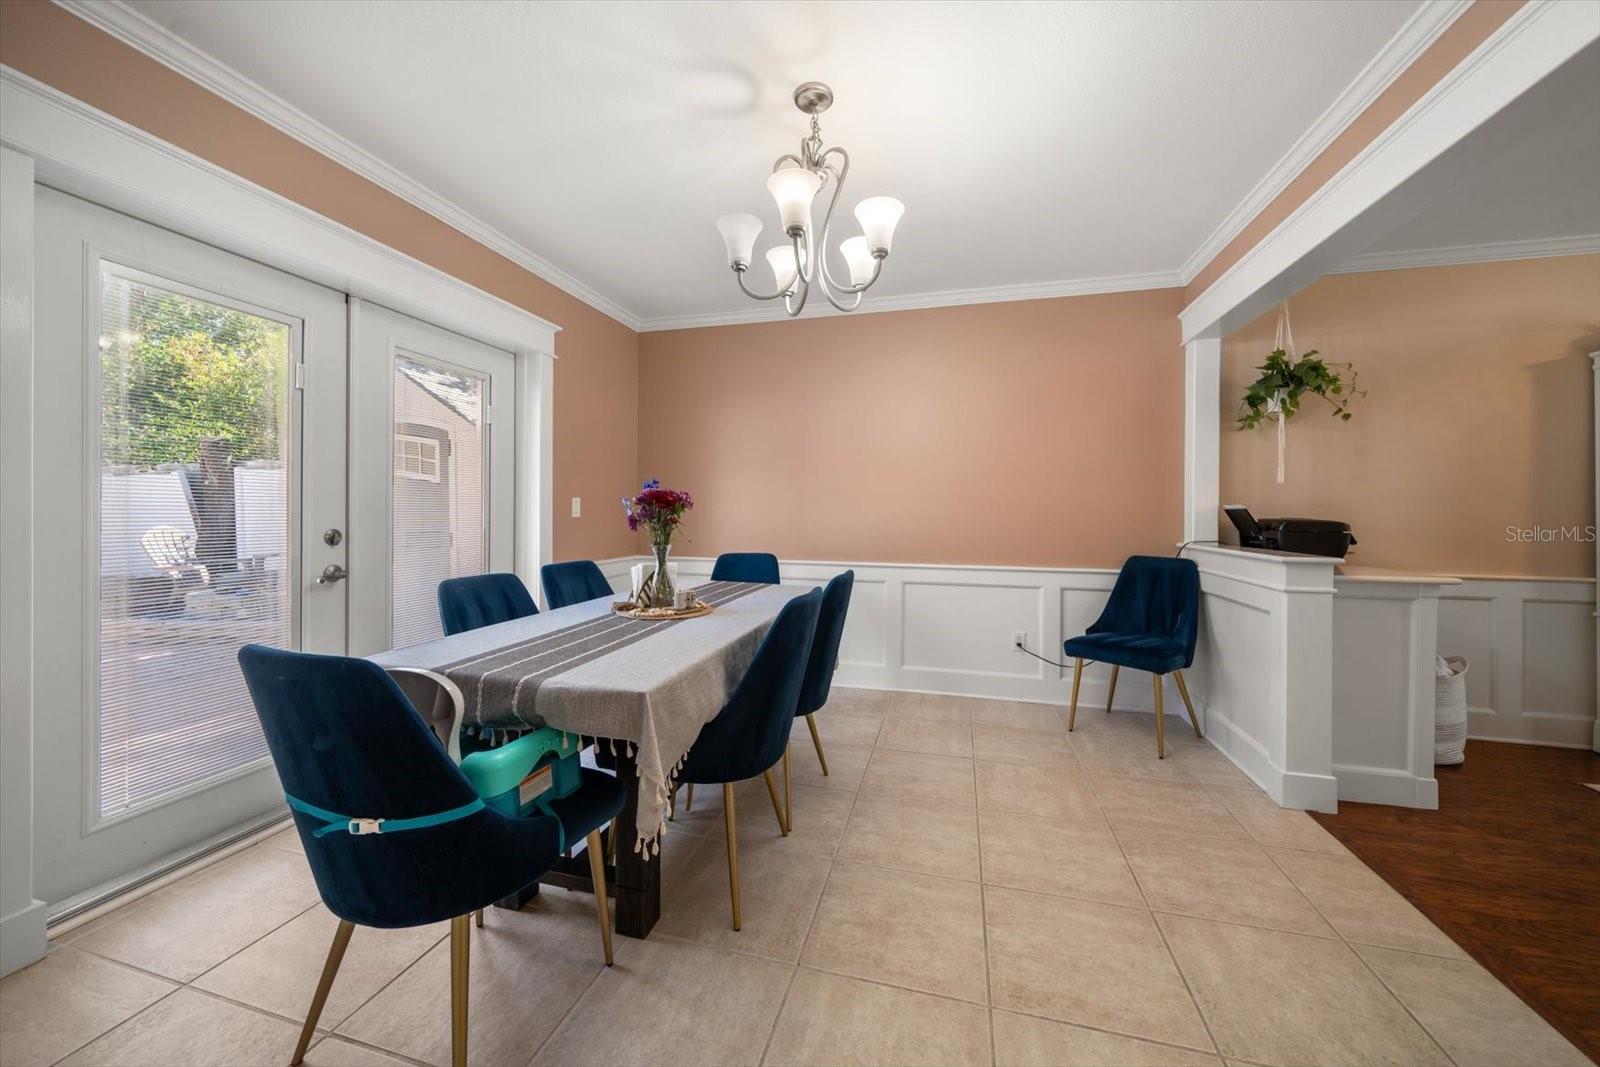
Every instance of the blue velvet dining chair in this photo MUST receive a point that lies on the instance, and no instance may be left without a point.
(1150, 623)
(482, 600)
(394, 833)
(820, 664)
(572, 583)
(751, 733)
(746, 567)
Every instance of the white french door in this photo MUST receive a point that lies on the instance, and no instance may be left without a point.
(191, 460)
(431, 471)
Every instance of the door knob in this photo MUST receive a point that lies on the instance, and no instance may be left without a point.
(332, 573)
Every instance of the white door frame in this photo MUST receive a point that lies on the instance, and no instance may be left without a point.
(50, 137)
(1352, 209)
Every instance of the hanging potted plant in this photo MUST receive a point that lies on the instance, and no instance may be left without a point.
(1286, 378)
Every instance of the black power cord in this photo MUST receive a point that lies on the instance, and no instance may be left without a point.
(1020, 647)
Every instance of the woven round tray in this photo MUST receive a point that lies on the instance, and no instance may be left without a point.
(629, 610)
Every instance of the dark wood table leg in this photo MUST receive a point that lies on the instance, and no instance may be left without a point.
(638, 874)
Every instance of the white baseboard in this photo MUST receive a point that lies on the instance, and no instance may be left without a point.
(1385, 785)
(22, 937)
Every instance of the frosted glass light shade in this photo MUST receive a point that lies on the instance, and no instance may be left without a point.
(781, 260)
(879, 215)
(794, 188)
(859, 258)
(739, 233)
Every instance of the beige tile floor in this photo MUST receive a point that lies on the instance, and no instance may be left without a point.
(970, 885)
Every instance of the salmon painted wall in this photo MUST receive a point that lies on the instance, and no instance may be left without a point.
(1479, 415)
(1470, 29)
(1034, 433)
(596, 377)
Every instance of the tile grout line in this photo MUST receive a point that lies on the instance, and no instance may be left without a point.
(566, 1015)
(794, 971)
(1345, 941)
(1162, 934)
(73, 1052)
(983, 901)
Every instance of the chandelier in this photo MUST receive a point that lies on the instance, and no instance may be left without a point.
(796, 180)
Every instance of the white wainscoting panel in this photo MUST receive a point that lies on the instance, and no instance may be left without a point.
(941, 629)
(1531, 649)
(1385, 633)
(1263, 669)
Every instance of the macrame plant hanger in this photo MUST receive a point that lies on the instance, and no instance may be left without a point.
(1284, 341)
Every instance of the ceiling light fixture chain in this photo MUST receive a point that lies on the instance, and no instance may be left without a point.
(795, 182)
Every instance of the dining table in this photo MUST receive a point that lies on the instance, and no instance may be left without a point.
(639, 689)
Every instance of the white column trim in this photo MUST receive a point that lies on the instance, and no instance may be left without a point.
(535, 402)
(1202, 437)
(22, 916)
(1594, 362)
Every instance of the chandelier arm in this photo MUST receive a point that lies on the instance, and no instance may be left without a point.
(790, 157)
(802, 286)
(842, 307)
(805, 263)
(856, 290)
(839, 177)
(759, 296)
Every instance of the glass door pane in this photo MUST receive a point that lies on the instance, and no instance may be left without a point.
(432, 471)
(194, 510)
(439, 518)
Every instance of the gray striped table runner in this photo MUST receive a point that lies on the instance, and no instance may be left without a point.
(501, 688)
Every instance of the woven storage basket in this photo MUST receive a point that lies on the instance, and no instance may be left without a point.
(1450, 713)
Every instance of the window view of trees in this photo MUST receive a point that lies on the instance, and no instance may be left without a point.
(180, 371)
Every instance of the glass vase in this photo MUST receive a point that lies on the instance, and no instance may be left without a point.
(660, 585)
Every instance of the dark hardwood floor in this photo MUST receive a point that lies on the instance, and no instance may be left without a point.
(1509, 866)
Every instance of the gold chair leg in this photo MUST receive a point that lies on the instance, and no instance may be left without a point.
(1077, 677)
(777, 805)
(788, 793)
(1183, 691)
(477, 917)
(460, 974)
(672, 804)
(688, 801)
(733, 848)
(341, 939)
(1161, 722)
(1112, 693)
(816, 739)
(611, 845)
(597, 873)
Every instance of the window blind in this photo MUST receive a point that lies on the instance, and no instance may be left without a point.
(194, 534)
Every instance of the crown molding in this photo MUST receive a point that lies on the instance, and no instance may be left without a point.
(160, 44)
(1410, 41)
(1457, 255)
(1115, 283)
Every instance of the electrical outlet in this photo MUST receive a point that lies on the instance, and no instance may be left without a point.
(577, 507)
(1019, 639)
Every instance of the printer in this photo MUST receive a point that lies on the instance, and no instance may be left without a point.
(1311, 537)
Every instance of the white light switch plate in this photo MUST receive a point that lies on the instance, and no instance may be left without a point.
(577, 507)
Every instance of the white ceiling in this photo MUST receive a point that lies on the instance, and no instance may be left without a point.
(1033, 144)
(1531, 174)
